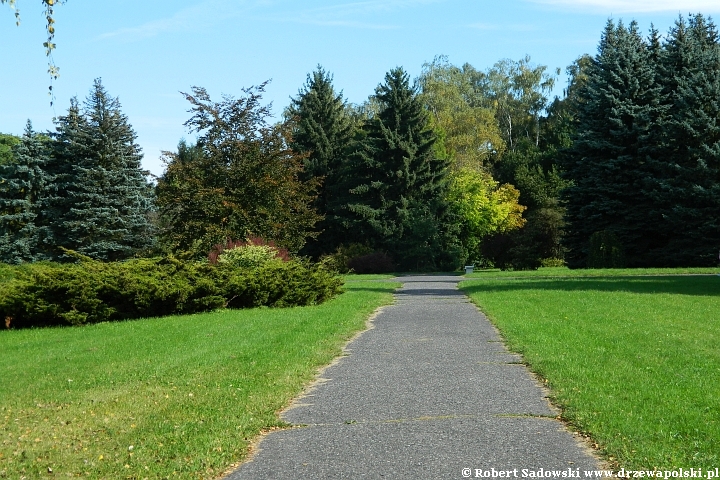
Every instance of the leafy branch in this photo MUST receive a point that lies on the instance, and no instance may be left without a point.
(49, 44)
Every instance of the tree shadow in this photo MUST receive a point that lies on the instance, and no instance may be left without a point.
(428, 292)
(698, 285)
(356, 288)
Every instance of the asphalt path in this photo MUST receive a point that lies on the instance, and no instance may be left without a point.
(428, 392)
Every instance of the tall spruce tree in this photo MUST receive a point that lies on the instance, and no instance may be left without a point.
(397, 198)
(22, 187)
(608, 162)
(322, 129)
(687, 160)
(99, 202)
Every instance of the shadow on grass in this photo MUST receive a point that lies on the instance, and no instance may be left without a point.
(356, 288)
(708, 286)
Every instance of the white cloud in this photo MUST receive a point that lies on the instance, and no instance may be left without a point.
(347, 14)
(196, 16)
(637, 6)
(362, 14)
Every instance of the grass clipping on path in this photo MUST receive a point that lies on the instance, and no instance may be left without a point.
(173, 397)
(633, 362)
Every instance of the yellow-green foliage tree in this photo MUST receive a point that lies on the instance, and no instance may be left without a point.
(469, 131)
(484, 206)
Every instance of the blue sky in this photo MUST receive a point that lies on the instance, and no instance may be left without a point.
(147, 52)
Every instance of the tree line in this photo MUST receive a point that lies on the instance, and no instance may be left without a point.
(645, 157)
(457, 166)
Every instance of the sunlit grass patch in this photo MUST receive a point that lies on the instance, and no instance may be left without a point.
(633, 361)
(177, 397)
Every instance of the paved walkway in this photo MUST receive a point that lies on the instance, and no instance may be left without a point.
(426, 393)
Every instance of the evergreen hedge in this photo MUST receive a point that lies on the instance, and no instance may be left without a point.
(47, 294)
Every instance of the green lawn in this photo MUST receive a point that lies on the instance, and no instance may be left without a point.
(174, 397)
(632, 361)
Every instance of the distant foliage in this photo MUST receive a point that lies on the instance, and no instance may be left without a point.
(461, 114)
(45, 294)
(605, 251)
(6, 145)
(376, 262)
(343, 254)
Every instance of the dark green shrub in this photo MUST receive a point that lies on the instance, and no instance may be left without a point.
(91, 291)
(284, 284)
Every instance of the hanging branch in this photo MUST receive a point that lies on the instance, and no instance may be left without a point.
(49, 45)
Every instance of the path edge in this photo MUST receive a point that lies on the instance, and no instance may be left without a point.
(254, 444)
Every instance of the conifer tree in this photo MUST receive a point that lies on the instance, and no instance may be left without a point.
(99, 202)
(687, 163)
(397, 198)
(322, 130)
(608, 161)
(22, 187)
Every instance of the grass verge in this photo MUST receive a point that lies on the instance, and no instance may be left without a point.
(173, 397)
(364, 277)
(632, 361)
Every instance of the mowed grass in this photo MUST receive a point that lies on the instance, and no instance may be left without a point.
(174, 397)
(632, 361)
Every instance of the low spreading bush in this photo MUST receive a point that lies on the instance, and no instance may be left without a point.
(249, 256)
(251, 253)
(91, 291)
(6, 272)
(376, 262)
(552, 262)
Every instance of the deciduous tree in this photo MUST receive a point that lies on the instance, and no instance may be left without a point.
(240, 180)
(484, 207)
(6, 146)
(467, 126)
